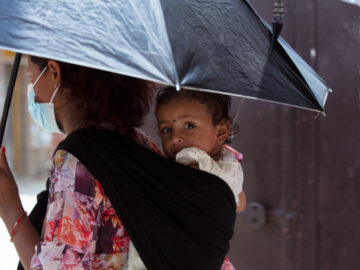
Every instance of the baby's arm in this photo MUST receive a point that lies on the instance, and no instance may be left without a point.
(194, 166)
(242, 198)
(227, 169)
(242, 202)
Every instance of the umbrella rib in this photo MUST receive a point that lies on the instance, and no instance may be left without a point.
(250, 97)
(167, 41)
(81, 63)
(177, 82)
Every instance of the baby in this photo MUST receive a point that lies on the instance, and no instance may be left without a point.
(194, 127)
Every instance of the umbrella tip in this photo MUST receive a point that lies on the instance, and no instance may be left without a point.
(317, 115)
(178, 87)
(277, 23)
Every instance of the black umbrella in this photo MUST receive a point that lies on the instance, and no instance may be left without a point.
(215, 46)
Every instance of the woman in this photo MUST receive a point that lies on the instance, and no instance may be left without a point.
(102, 182)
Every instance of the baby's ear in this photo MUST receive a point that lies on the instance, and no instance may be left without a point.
(223, 130)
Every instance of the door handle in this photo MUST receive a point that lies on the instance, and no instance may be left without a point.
(256, 216)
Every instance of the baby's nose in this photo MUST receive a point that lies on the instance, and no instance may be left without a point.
(177, 138)
(178, 145)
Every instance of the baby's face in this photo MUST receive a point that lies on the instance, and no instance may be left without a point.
(186, 122)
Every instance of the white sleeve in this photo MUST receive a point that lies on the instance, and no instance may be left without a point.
(228, 168)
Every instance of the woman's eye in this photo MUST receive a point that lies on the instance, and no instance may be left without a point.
(189, 126)
(165, 130)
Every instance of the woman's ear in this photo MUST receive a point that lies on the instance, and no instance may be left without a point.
(223, 130)
(55, 72)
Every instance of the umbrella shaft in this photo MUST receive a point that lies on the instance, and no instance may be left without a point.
(9, 95)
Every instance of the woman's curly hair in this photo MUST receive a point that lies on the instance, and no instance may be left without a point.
(105, 97)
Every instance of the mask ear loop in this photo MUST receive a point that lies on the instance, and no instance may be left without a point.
(52, 98)
(38, 78)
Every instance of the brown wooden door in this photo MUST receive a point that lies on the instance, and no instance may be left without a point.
(302, 168)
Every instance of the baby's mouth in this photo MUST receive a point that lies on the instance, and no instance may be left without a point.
(175, 153)
(176, 150)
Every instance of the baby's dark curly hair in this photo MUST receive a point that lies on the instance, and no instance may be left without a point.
(218, 105)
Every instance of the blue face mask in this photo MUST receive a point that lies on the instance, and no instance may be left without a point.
(42, 113)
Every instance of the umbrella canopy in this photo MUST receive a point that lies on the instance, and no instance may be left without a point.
(216, 46)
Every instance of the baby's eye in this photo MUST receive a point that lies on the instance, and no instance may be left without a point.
(189, 126)
(165, 130)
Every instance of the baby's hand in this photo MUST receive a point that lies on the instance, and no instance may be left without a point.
(188, 157)
(191, 155)
(194, 165)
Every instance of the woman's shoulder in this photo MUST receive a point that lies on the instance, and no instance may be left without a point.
(63, 158)
(69, 174)
(63, 172)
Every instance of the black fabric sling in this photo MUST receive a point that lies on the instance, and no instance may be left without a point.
(176, 216)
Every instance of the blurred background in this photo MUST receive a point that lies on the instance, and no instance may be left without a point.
(302, 170)
(27, 144)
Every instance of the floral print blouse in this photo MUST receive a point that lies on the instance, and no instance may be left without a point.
(81, 228)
